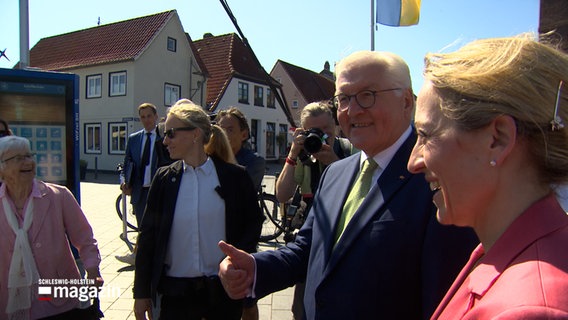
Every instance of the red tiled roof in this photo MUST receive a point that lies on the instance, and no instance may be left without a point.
(108, 43)
(226, 57)
(313, 86)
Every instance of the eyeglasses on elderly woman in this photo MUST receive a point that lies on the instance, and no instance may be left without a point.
(20, 158)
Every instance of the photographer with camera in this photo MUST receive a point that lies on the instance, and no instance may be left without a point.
(314, 147)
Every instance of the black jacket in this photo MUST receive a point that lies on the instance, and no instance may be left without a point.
(242, 215)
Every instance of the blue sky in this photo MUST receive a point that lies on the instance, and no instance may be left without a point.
(305, 33)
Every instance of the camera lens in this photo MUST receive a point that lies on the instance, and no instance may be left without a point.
(313, 143)
(314, 140)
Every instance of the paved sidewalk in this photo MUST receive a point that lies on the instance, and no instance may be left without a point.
(98, 199)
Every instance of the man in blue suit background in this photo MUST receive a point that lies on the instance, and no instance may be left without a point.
(140, 164)
(386, 259)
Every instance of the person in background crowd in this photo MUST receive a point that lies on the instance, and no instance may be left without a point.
(491, 143)
(307, 173)
(371, 246)
(140, 164)
(163, 156)
(235, 124)
(4, 129)
(38, 220)
(201, 198)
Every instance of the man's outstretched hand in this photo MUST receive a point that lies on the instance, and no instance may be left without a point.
(236, 271)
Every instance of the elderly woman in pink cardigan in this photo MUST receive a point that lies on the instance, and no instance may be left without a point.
(37, 222)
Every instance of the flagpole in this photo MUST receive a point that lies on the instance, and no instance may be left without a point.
(372, 25)
(24, 35)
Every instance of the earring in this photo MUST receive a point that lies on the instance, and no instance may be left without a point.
(492, 163)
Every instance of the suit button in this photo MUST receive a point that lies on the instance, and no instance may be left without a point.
(38, 245)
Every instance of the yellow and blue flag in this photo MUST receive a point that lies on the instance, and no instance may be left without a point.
(397, 13)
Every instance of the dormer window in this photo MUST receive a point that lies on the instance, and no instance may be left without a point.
(172, 44)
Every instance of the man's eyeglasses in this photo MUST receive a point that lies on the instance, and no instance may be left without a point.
(171, 133)
(365, 99)
(21, 158)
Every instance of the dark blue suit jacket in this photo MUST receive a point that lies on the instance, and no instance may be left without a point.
(132, 162)
(243, 219)
(393, 261)
(253, 163)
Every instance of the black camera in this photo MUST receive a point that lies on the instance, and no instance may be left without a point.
(315, 138)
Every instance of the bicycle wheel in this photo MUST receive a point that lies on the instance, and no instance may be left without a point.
(130, 217)
(273, 225)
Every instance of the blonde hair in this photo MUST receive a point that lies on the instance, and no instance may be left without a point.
(515, 76)
(192, 115)
(215, 140)
(315, 109)
(219, 145)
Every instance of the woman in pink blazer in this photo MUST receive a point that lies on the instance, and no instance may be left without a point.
(491, 142)
(37, 222)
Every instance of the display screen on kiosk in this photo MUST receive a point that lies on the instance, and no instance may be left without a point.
(43, 107)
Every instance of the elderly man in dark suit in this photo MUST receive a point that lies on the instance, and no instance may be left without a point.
(371, 246)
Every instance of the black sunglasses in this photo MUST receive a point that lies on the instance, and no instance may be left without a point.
(171, 133)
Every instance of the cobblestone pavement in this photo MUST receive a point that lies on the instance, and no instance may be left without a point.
(98, 195)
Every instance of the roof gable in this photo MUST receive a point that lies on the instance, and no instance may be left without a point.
(109, 43)
(225, 57)
(313, 86)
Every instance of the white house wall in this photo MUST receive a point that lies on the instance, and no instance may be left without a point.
(145, 82)
(290, 90)
(263, 114)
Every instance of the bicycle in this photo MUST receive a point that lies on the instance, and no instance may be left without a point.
(273, 224)
(130, 217)
(272, 227)
(125, 212)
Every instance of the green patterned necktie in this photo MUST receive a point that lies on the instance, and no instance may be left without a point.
(358, 193)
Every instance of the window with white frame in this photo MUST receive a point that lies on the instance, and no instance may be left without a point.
(171, 94)
(254, 126)
(270, 139)
(258, 96)
(94, 86)
(92, 136)
(295, 104)
(117, 84)
(172, 44)
(270, 99)
(117, 136)
(282, 139)
(243, 92)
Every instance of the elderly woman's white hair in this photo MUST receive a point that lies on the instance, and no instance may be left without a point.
(12, 143)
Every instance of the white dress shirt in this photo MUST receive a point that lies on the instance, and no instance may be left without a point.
(198, 224)
(148, 170)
